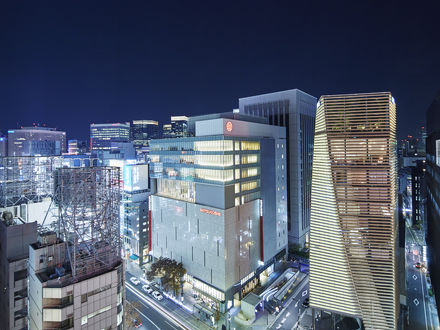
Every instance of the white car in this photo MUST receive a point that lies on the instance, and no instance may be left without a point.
(157, 295)
(147, 289)
(134, 280)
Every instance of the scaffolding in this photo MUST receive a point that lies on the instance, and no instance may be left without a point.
(27, 179)
(88, 201)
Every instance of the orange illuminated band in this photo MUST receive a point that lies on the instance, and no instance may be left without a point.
(212, 212)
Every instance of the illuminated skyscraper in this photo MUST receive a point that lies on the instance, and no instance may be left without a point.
(294, 110)
(142, 131)
(353, 224)
(36, 141)
(102, 135)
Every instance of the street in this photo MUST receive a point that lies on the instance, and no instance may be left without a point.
(151, 317)
(289, 316)
(163, 314)
(420, 316)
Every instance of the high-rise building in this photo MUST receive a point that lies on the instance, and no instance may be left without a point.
(102, 135)
(72, 147)
(15, 237)
(3, 146)
(177, 128)
(220, 205)
(36, 141)
(294, 110)
(142, 131)
(353, 226)
(134, 221)
(433, 194)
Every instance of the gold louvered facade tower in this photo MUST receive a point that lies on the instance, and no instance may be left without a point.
(353, 225)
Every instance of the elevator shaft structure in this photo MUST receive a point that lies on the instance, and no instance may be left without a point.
(88, 202)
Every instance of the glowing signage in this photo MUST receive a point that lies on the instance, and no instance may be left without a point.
(229, 126)
(211, 212)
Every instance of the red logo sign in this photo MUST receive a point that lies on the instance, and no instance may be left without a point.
(229, 126)
(212, 212)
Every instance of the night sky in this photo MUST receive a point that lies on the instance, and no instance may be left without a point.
(71, 63)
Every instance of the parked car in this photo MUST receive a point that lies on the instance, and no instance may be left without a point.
(157, 295)
(137, 323)
(135, 281)
(306, 303)
(147, 289)
(418, 265)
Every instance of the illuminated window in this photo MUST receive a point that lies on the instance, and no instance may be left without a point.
(237, 159)
(237, 173)
(250, 145)
(237, 188)
(250, 185)
(249, 159)
(237, 145)
(248, 172)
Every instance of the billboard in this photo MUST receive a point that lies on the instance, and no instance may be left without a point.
(135, 177)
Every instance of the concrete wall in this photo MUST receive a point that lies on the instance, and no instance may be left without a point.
(216, 246)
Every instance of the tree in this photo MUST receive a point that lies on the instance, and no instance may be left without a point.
(170, 273)
(131, 314)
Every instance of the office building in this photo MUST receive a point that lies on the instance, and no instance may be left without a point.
(76, 147)
(36, 141)
(15, 237)
(142, 131)
(76, 276)
(294, 110)
(134, 219)
(60, 300)
(72, 147)
(433, 194)
(103, 135)
(220, 205)
(3, 146)
(353, 226)
(116, 151)
(177, 128)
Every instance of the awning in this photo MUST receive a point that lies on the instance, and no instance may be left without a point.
(134, 257)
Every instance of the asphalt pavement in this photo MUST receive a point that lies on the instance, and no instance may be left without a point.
(419, 306)
(291, 314)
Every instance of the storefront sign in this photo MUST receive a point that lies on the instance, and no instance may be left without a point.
(212, 212)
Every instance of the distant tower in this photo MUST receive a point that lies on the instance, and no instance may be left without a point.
(353, 211)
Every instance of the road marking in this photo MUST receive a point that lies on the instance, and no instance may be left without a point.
(158, 308)
(304, 293)
(415, 277)
(283, 320)
(146, 317)
(416, 302)
(288, 314)
(296, 305)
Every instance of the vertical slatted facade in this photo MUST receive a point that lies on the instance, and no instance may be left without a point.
(353, 220)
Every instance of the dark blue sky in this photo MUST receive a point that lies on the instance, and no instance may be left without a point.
(71, 63)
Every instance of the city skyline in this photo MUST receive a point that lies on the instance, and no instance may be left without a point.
(143, 61)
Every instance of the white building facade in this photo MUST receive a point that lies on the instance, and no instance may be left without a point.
(220, 205)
